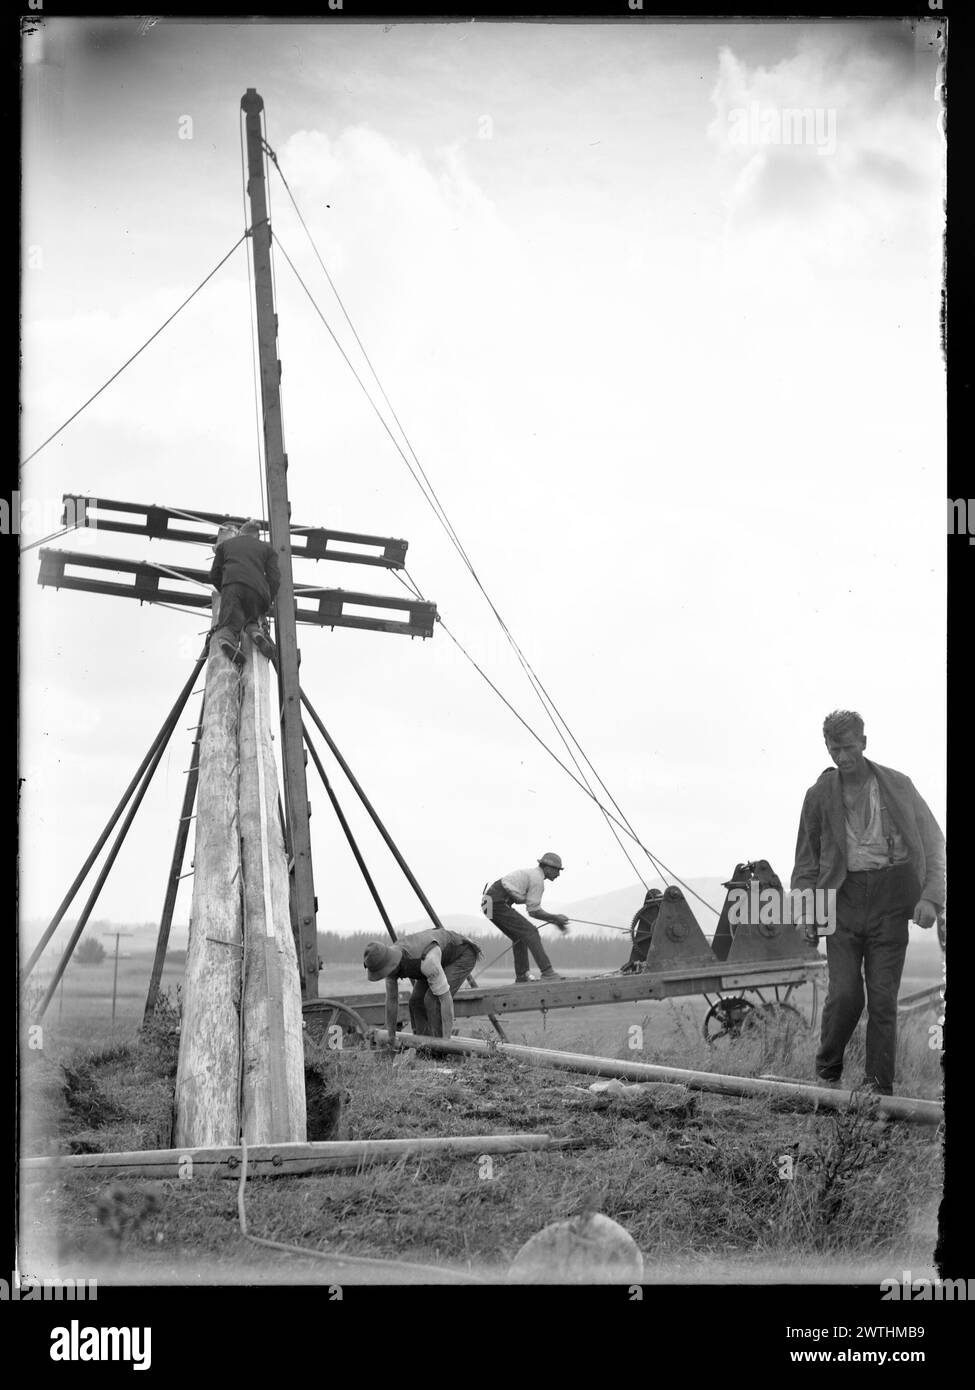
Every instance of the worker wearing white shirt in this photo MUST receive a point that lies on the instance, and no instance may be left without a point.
(525, 886)
(437, 961)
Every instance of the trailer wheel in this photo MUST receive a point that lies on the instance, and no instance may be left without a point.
(337, 1026)
(726, 1018)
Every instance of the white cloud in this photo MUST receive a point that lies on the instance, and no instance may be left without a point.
(867, 151)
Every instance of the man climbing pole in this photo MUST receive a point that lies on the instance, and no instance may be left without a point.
(641, 930)
(245, 570)
(525, 886)
(438, 961)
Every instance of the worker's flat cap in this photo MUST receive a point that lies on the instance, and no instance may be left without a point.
(381, 960)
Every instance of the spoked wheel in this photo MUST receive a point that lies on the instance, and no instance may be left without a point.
(337, 1026)
(726, 1018)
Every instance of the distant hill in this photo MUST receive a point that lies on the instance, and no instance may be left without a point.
(615, 909)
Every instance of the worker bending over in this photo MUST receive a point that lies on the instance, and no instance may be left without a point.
(525, 886)
(437, 961)
(245, 570)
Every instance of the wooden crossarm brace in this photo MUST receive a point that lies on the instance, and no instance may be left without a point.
(319, 607)
(200, 528)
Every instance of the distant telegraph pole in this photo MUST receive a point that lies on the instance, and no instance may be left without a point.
(116, 934)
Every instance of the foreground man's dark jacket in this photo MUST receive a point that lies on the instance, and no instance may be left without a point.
(249, 561)
(821, 846)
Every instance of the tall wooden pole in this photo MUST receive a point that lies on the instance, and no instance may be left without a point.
(208, 1071)
(279, 520)
(273, 1080)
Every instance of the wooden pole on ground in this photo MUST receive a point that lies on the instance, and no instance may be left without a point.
(282, 1160)
(898, 1107)
(208, 1072)
(273, 1089)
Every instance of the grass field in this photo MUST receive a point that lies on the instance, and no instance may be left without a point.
(699, 1188)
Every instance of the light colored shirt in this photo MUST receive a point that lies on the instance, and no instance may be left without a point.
(432, 967)
(526, 886)
(866, 843)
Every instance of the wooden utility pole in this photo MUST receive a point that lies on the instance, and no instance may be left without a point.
(253, 945)
(279, 521)
(208, 1072)
(116, 934)
(273, 1079)
(241, 1061)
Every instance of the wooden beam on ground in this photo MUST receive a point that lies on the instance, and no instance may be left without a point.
(896, 1107)
(207, 1109)
(923, 999)
(273, 1090)
(280, 1160)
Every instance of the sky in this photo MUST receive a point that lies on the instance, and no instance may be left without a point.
(677, 380)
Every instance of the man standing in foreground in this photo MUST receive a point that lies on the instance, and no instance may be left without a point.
(866, 833)
(245, 570)
(438, 961)
(525, 886)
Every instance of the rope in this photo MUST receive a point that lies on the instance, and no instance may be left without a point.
(569, 773)
(242, 1184)
(243, 948)
(274, 282)
(183, 578)
(369, 1262)
(137, 352)
(54, 536)
(446, 521)
(494, 961)
(311, 298)
(608, 925)
(192, 612)
(191, 516)
(429, 493)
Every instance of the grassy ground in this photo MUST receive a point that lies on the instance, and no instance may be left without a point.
(698, 1188)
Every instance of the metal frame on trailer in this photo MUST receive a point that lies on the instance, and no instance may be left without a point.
(680, 962)
(587, 990)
